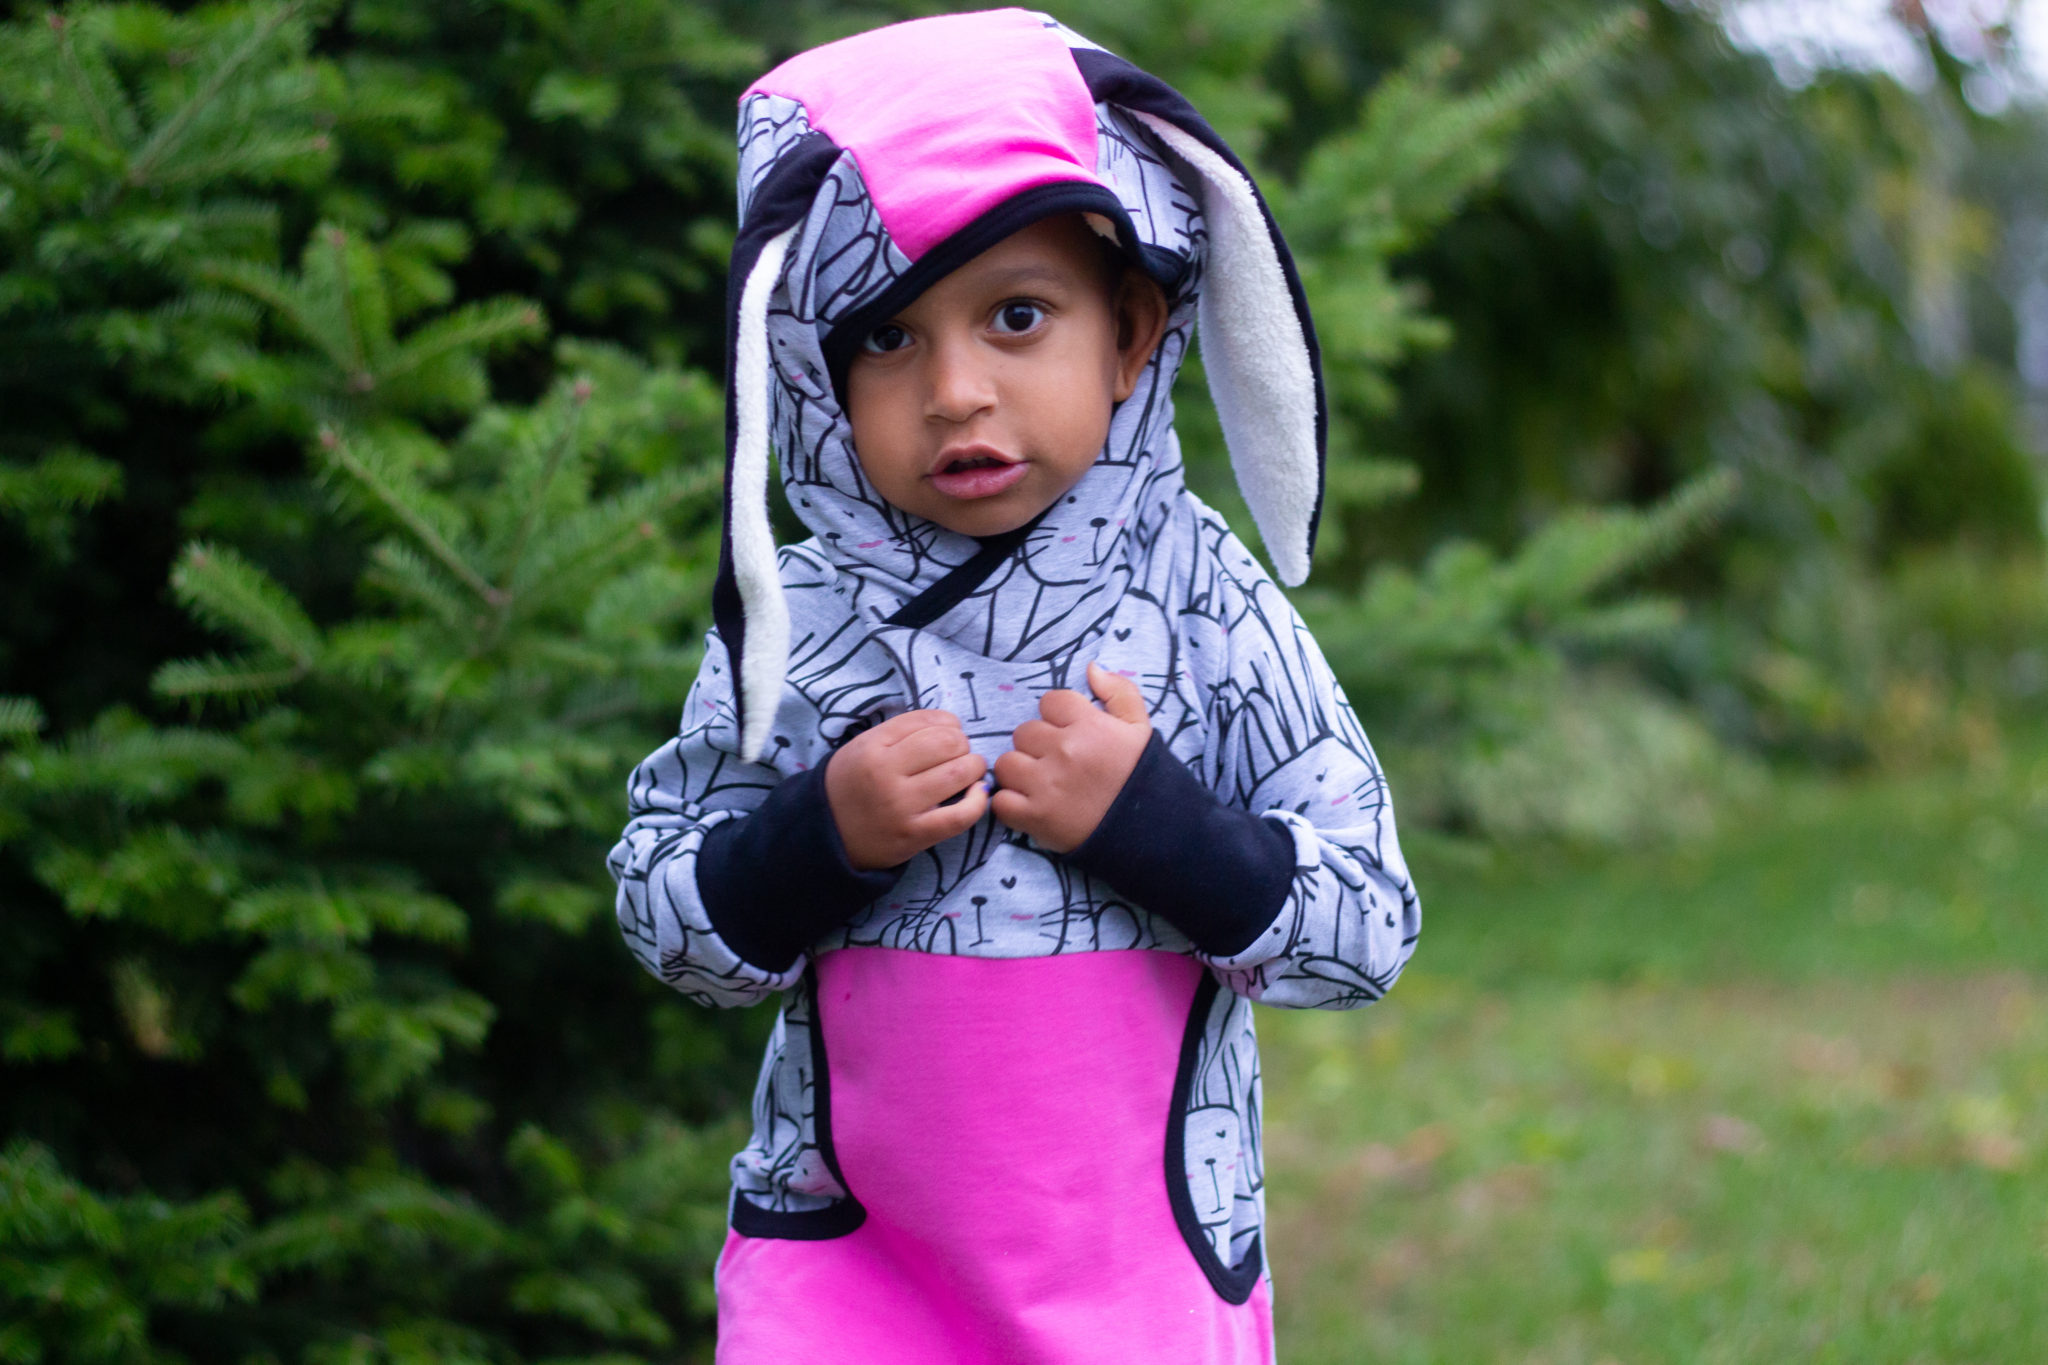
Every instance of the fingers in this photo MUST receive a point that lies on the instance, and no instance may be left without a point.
(1014, 769)
(925, 748)
(1012, 808)
(1034, 737)
(1063, 706)
(904, 725)
(1120, 696)
(943, 782)
(941, 823)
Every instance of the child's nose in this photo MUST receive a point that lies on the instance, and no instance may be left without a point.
(961, 381)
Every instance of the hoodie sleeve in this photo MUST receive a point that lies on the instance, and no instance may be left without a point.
(1286, 746)
(726, 869)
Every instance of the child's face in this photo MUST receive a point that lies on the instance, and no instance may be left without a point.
(982, 403)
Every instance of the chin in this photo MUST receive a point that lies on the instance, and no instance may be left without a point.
(990, 519)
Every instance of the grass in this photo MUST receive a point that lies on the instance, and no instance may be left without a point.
(1780, 1096)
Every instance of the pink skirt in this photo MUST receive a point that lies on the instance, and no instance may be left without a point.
(1004, 1123)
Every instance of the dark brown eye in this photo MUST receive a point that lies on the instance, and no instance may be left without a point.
(884, 339)
(1019, 315)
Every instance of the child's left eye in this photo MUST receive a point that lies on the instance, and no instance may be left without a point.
(1019, 315)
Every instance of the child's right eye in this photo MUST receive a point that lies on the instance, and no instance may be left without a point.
(884, 339)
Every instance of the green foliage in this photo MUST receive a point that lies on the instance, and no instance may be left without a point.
(1716, 1101)
(81, 1275)
(431, 624)
(357, 520)
(1688, 266)
(1367, 193)
(1491, 686)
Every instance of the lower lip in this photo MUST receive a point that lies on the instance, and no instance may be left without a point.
(984, 482)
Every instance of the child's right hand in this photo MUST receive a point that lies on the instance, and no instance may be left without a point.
(885, 785)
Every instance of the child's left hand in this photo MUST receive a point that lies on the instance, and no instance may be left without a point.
(1065, 769)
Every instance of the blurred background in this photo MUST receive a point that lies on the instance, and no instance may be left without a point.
(360, 424)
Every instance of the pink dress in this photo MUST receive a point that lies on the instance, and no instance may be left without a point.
(1018, 1206)
(1010, 1110)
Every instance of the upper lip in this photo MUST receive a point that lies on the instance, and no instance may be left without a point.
(952, 454)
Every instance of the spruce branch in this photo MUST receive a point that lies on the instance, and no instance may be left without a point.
(406, 574)
(247, 157)
(76, 70)
(1581, 552)
(20, 717)
(214, 676)
(62, 480)
(585, 544)
(226, 590)
(565, 437)
(169, 133)
(360, 379)
(339, 451)
(472, 327)
(137, 764)
(284, 296)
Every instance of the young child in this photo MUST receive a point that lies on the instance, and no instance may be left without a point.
(1010, 1108)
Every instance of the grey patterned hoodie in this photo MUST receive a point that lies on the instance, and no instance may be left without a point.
(868, 168)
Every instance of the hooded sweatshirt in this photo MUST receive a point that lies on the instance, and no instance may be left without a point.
(1009, 1109)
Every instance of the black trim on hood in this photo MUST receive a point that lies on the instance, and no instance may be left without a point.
(1014, 214)
(1113, 80)
(780, 201)
(946, 594)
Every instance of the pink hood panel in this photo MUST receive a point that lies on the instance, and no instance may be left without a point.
(910, 102)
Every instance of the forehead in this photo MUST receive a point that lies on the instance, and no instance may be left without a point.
(1059, 254)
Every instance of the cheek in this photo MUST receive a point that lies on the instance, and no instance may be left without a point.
(879, 441)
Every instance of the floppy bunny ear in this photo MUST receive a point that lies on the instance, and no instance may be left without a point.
(746, 600)
(758, 669)
(1258, 345)
(1256, 353)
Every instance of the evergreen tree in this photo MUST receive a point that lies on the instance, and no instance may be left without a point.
(341, 590)
(318, 979)
(1688, 266)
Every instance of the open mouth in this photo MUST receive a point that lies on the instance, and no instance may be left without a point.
(976, 474)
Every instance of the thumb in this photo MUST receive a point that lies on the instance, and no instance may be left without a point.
(1118, 694)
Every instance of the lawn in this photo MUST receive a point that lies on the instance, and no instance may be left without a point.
(1782, 1095)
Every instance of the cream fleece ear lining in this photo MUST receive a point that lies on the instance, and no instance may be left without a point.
(1256, 357)
(765, 654)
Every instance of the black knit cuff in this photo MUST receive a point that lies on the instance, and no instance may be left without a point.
(1219, 874)
(777, 880)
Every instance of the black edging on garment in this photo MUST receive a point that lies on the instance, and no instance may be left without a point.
(946, 594)
(1218, 873)
(780, 201)
(1113, 80)
(841, 1216)
(1014, 214)
(1232, 1283)
(778, 879)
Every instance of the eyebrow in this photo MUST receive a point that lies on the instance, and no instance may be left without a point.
(1026, 274)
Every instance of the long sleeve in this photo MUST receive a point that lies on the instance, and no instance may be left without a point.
(1217, 873)
(778, 880)
(1285, 745)
(774, 883)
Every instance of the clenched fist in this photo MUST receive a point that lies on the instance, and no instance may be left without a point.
(1064, 770)
(885, 786)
